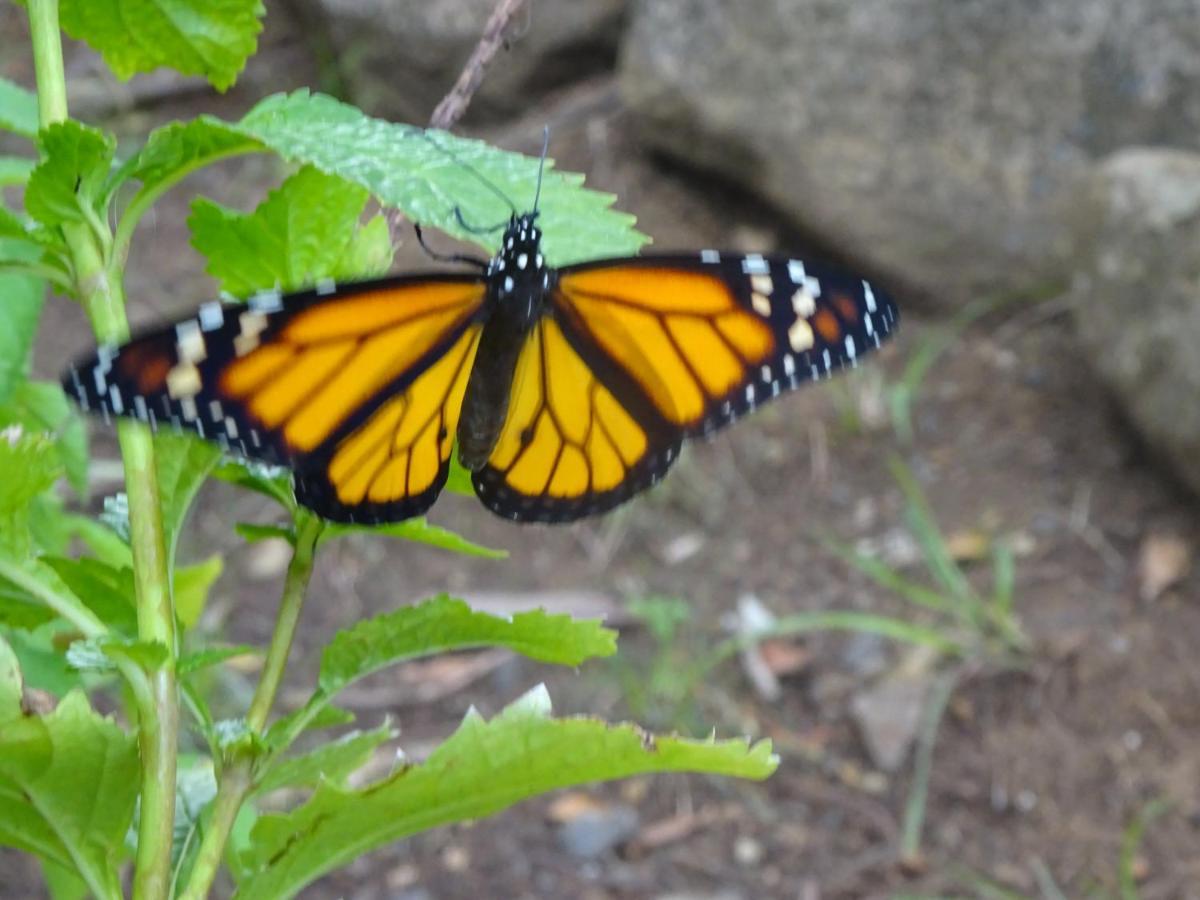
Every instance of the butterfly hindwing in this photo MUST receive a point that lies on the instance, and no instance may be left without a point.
(284, 379)
(394, 465)
(710, 338)
(570, 446)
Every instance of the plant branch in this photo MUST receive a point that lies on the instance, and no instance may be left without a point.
(237, 776)
(455, 103)
(99, 290)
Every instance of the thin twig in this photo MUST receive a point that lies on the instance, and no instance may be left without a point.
(455, 103)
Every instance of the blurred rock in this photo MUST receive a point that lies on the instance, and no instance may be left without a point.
(595, 831)
(888, 716)
(1138, 295)
(400, 57)
(938, 141)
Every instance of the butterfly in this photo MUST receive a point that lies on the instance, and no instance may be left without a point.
(569, 390)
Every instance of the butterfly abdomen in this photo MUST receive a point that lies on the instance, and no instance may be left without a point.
(485, 404)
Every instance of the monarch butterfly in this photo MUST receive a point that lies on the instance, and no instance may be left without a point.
(569, 390)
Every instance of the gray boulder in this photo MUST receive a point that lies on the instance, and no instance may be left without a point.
(400, 57)
(940, 140)
(1137, 295)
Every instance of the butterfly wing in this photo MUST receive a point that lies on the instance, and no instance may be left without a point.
(709, 339)
(312, 381)
(664, 348)
(577, 440)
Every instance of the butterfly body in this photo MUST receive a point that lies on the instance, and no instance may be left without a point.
(518, 282)
(569, 390)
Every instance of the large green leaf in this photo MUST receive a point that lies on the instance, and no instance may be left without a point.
(69, 180)
(306, 230)
(482, 768)
(426, 174)
(68, 782)
(446, 623)
(212, 38)
(18, 109)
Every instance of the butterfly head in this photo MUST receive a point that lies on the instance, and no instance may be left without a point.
(518, 274)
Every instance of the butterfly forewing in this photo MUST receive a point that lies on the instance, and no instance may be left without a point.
(283, 379)
(709, 338)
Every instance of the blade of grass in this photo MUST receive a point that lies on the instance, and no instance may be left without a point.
(918, 794)
(1131, 842)
(888, 578)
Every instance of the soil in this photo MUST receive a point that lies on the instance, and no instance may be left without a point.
(1034, 771)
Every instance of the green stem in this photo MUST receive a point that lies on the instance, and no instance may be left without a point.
(100, 293)
(237, 777)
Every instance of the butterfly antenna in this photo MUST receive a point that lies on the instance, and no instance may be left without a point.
(479, 175)
(542, 165)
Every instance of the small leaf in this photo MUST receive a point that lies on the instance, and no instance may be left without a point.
(211, 39)
(183, 462)
(43, 665)
(482, 768)
(149, 655)
(14, 169)
(270, 481)
(326, 716)
(191, 586)
(42, 406)
(445, 623)
(105, 590)
(333, 762)
(419, 530)
(31, 465)
(181, 147)
(18, 109)
(19, 610)
(252, 533)
(19, 315)
(68, 782)
(300, 234)
(11, 688)
(69, 179)
(189, 663)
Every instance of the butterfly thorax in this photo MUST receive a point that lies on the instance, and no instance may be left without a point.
(517, 284)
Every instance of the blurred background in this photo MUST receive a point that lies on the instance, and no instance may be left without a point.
(1017, 474)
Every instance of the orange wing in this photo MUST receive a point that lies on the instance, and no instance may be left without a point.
(570, 446)
(708, 339)
(308, 381)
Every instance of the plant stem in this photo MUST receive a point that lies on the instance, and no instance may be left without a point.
(158, 709)
(237, 777)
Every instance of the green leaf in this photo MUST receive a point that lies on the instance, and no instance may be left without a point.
(42, 406)
(306, 718)
(190, 663)
(20, 311)
(191, 586)
(181, 147)
(183, 461)
(445, 623)
(211, 38)
(19, 610)
(333, 762)
(15, 170)
(302, 232)
(63, 883)
(107, 591)
(67, 183)
(270, 481)
(43, 665)
(428, 174)
(252, 534)
(18, 109)
(68, 782)
(10, 684)
(482, 768)
(419, 530)
(30, 464)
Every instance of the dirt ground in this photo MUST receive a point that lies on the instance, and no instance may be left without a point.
(1040, 770)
